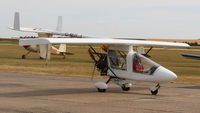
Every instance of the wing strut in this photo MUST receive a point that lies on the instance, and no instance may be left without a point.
(146, 54)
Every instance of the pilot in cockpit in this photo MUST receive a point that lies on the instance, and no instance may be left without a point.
(137, 64)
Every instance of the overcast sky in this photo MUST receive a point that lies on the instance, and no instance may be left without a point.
(107, 18)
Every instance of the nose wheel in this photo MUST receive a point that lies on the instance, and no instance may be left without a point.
(154, 90)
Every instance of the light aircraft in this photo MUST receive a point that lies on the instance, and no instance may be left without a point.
(43, 33)
(191, 56)
(119, 62)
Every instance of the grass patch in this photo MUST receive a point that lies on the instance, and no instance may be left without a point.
(80, 64)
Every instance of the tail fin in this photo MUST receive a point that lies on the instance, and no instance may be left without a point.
(62, 48)
(16, 22)
(59, 24)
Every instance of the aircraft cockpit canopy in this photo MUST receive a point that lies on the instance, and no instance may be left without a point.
(142, 64)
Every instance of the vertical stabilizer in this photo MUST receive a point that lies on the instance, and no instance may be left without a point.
(16, 22)
(59, 24)
(62, 48)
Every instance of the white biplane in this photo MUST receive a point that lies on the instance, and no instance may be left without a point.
(120, 62)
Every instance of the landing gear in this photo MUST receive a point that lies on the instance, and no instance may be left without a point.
(101, 90)
(63, 54)
(123, 83)
(125, 88)
(101, 86)
(154, 90)
(23, 56)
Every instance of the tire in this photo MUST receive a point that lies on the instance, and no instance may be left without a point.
(124, 88)
(154, 92)
(23, 56)
(101, 90)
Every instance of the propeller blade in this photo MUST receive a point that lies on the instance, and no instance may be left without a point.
(92, 77)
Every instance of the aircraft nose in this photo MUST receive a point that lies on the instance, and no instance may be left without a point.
(166, 74)
(172, 75)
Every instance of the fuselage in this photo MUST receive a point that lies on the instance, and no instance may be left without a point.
(124, 66)
(36, 49)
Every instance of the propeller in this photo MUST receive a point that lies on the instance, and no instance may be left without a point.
(92, 77)
(100, 62)
(91, 52)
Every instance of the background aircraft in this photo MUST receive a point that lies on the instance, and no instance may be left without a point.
(40, 31)
(191, 56)
(40, 49)
(119, 61)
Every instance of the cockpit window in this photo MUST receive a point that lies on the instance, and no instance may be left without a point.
(117, 59)
(144, 65)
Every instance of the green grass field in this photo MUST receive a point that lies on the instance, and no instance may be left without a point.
(80, 64)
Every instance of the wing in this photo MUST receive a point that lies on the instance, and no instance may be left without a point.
(35, 30)
(191, 56)
(96, 41)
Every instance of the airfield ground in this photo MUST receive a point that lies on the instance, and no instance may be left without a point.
(28, 93)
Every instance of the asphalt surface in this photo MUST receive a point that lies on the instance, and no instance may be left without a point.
(26, 93)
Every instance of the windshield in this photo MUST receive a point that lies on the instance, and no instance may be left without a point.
(142, 64)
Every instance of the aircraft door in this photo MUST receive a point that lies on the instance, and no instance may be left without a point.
(117, 59)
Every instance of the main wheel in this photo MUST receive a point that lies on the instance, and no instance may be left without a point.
(101, 90)
(154, 92)
(23, 56)
(124, 88)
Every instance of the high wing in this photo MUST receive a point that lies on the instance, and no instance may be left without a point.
(97, 41)
(35, 30)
